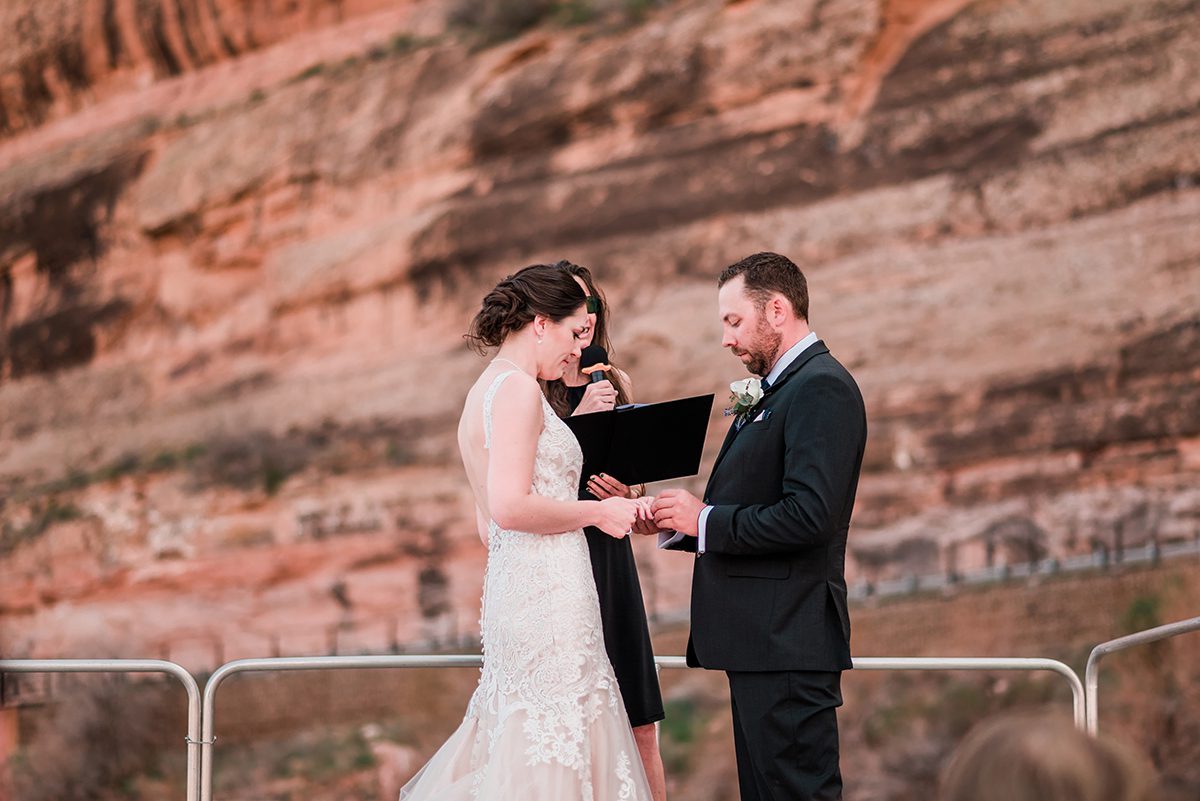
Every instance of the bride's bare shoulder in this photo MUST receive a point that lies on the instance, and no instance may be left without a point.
(518, 390)
(513, 378)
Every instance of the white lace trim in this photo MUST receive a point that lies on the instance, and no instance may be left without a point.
(488, 398)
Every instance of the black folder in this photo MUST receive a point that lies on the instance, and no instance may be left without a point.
(644, 442)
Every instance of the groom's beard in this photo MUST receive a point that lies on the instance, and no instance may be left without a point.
(765, 350)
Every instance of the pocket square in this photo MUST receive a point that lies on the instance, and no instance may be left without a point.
(763, 415)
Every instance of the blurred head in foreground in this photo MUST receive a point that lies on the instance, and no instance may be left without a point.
(1042, 757)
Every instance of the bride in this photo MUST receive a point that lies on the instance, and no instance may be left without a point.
(547, 720)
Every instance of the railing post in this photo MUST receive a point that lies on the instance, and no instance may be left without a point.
(208, 711)
(1092, 671)
(130, 666)
(985, 663)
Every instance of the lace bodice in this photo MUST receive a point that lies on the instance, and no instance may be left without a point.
(558, 460)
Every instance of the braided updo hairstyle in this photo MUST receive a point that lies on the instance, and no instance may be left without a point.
(537, 289)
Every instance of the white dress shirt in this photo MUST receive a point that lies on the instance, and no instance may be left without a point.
(668, 538)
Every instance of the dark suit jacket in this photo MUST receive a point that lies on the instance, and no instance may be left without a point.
(769, 592)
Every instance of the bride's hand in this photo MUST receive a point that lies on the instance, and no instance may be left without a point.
(616, 516)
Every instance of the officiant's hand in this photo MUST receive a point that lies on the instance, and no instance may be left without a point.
(598, 397)
(605, 486)
(679, 510)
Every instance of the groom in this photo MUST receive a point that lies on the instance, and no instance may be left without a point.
(768, 586)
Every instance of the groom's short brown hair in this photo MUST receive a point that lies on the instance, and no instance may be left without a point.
(768, 272)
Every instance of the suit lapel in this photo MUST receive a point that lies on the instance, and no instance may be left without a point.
(815, 349)
(729, 437)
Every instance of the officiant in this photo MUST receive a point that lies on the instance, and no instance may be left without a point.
(622, 610)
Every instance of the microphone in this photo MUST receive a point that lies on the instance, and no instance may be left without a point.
(596, 360)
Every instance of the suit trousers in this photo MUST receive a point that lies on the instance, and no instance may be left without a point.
(786, 736)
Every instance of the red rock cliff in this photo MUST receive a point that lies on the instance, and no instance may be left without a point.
(239, 243)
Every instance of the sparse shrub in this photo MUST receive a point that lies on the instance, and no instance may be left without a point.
(627, 11)
(193, 452)
(963, 703)
(11, 536)
(102, 733)
(889, 720)
(273, 477)
(1143, 613)
(404, 43)
(399, 453)
(310, 72)
(680, 723)
(578, 12)
(257, 460)
(324, 756)
(398, 45)
(125, 465)
(682, 730)
(166, 460)
(75, 479)
(497, 20)
(635, 10)
(251, 460)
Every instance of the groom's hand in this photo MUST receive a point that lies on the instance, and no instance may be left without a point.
(645, 527)
(644, 524)
(678, 510)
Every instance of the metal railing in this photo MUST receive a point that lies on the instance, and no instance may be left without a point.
(984, 663)
(201, 722)
(474, 660)
(130, 666)
(956, 663)
(208, 713)
(1092, 671)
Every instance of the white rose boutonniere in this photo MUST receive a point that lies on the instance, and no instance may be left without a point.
(744, 395)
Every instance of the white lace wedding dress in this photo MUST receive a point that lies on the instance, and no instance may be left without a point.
(547, 720)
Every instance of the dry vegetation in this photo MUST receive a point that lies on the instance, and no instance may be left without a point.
(104, 737)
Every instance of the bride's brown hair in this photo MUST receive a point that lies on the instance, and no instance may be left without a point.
(537, 289)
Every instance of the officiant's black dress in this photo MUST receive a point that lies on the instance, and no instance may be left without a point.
(622, 613)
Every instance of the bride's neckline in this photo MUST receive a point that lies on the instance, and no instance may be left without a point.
(510, 361)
